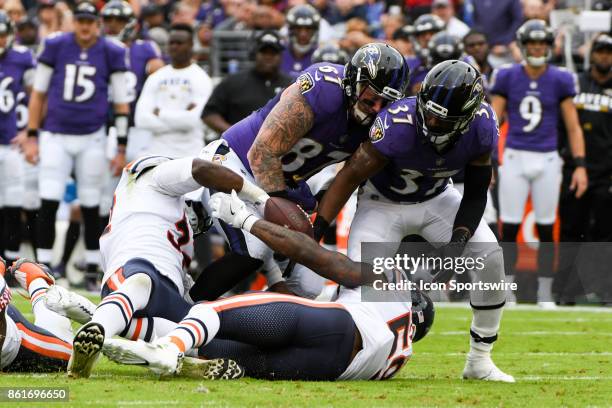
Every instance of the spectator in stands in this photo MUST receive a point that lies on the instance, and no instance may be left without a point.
(53, 16)
(14, 9)
(499, 20)
(445, 10)
(240, 94)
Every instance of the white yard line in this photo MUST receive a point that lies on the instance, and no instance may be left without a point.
(529, 333)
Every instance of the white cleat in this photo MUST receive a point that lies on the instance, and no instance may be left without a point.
(159, 358)
(486, 370)
(69, 304)
(547, 305)
(86, 348)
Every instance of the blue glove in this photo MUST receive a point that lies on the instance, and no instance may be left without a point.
(301, 195)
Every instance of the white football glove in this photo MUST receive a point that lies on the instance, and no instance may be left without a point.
(254, 194)
(232, 210)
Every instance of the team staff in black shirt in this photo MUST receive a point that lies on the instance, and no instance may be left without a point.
(240, 94)
(589, 218)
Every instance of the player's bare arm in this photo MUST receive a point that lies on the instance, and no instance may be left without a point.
(215, 176)
(364, 163)
(288, 122)
(575, 138)
(35, 114)
(300, 248)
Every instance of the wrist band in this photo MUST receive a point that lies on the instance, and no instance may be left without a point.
(579, 161)
(32, 132)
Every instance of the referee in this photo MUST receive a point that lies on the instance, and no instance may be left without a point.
(589, 218)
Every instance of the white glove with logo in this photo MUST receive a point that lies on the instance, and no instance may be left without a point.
(232, 210)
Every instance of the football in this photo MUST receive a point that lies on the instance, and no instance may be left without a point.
(288, 214)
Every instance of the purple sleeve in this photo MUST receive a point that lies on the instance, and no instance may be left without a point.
(382, 137)
(48, 52)
(517, 19)
(153, 51)
(320, 87)
(488, 131)
(117, 57)
(568, 85)
(498, 84)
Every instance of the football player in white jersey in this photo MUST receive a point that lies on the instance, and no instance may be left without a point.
(284, 337)
(147, 245)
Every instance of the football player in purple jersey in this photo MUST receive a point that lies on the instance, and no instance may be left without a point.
(423, 30)
(76, 75)
(318, 121)
(16, 73)
(303, 24)
(415, 146)
(533, 94)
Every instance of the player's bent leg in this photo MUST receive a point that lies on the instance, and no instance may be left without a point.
(39, 350)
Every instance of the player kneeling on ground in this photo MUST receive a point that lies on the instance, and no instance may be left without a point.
(283, 337)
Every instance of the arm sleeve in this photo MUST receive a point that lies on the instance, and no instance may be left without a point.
(121, 92)
(42, 77)
(474, 200)
(47, 51)
(144, 117)
(119, 58)
(174, 177)
(189, 119)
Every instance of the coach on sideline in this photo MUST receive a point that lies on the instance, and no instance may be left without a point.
(594, 106)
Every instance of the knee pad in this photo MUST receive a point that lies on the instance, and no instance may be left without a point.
(492, 273)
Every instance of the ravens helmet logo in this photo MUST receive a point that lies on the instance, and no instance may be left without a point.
(305, 82)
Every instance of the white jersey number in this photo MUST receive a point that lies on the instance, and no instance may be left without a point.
(400, 351)
(409, 176)
(306, 149)
(79, 76)
(531, 110)
(7, 98)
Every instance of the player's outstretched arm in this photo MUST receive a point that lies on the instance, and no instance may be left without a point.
(295, 245)
(301, 249)
(290, 119)
(217, 177)
(363, 164)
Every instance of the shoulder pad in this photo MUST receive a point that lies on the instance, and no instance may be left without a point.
(115, 42)
(20, 48)
(139, 166)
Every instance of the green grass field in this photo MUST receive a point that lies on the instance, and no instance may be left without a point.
(560, 358)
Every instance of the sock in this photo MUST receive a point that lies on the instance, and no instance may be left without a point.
(545, 289)
(148, 328)
(115, 311)
(31, 228)
(72, 237)
(46, 230)
(91, 224)
(484, 328)
(198, 328)
(11, 232)
(45, 318)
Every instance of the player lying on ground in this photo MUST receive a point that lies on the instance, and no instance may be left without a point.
(146, 247)
(284, 337)
(40, 347)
